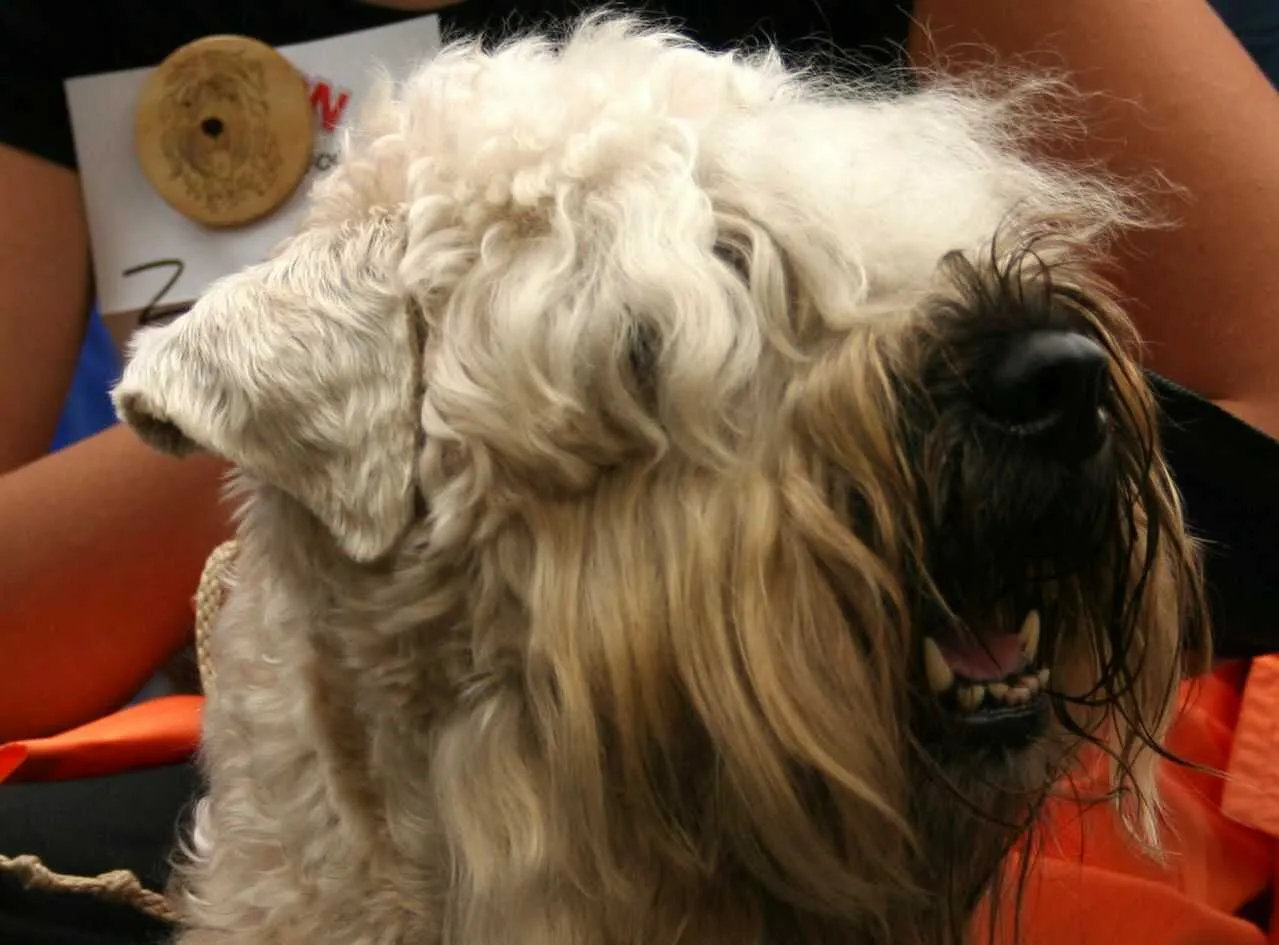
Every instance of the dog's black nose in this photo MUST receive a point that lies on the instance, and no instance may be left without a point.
(1048, 387)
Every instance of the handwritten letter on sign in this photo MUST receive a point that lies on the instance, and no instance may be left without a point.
(149, 261)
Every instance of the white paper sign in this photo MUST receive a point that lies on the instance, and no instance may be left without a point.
(148, 259)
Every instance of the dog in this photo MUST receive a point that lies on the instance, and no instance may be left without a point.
(686, 498)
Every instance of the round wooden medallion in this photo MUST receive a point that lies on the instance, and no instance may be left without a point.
(224, 130)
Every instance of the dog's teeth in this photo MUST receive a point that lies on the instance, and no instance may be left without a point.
(1043, 677)
(1018, 695)
(1029, 635)
(997, 689)
(940, 676)
(1030, 684)
(969, 697)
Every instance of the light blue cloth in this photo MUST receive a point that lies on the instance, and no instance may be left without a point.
(87, 409)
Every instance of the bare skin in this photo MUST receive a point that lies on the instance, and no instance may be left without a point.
(44, 276)
(101, 544)
(102, 550)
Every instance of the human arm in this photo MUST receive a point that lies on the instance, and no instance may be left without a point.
(101, 544)
(1180, 95)
(101, 547)
(44, 299)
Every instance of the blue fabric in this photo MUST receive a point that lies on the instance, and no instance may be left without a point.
(1255, 24)
(88, 409)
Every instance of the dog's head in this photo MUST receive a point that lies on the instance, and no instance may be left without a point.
(757, 463)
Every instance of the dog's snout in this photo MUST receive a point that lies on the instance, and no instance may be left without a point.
(1049, 387)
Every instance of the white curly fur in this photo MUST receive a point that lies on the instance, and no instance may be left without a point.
(455, 324)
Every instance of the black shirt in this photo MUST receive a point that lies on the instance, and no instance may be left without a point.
(43, 42)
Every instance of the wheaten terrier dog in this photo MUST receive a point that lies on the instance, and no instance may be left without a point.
(686, 500)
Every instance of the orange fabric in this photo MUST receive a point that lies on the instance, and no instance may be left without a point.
(159, 732)
(1251, 794)
(1091, 887)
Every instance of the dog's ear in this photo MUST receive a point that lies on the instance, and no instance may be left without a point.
(304, 372)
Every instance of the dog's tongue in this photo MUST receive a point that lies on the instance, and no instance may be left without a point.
(992, 657)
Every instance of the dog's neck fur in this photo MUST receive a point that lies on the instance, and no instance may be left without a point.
(357, 665)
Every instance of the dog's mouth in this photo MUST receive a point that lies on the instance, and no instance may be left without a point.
(991, 685)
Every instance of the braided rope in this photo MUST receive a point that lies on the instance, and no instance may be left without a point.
(118, 886)
(208, 601)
